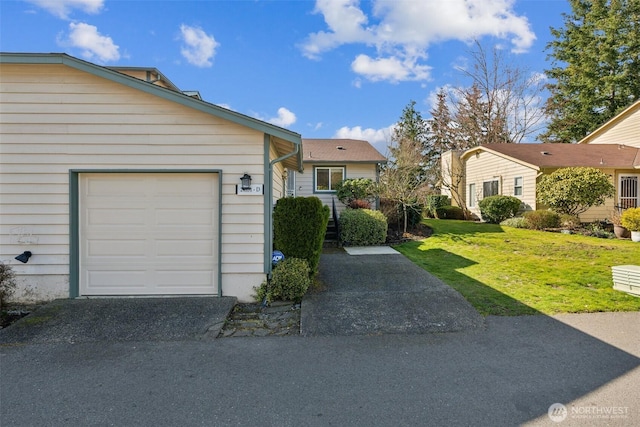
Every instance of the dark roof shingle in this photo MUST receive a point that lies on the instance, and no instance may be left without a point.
(569, 155)
(340, 151)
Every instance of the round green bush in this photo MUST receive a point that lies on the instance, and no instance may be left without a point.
(541, 219)
(289, 281)
(495, 209)
(362, 227)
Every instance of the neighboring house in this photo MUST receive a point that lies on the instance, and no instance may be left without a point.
(120, 184)
(514, 169)
(329, 161)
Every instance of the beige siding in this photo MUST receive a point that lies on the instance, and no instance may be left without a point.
(305, 181)
(278, 175)
(54, 118)
(488, 166)
(625, 131)
(453, 179)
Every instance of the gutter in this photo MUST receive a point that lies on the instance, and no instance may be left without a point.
(268, 234)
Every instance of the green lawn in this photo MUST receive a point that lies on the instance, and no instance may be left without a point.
(509, 271)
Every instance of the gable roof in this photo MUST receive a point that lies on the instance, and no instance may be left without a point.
(287, 141)
(611, 122)
(340, 151)
(541, 156)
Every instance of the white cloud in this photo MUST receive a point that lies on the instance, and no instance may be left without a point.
(94, 45)
(62, 8)
(283, 119)
(199, 48)
(392, 68)
(379, 138)
(404, 29)
(345, 21)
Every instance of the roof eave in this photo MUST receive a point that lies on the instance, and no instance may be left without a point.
(479, 148)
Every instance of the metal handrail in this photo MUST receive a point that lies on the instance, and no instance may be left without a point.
(334, 212)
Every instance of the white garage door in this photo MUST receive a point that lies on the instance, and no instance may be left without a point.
(148, 233)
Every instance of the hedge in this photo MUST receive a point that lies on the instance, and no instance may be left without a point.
(299, 227)
(362, 227)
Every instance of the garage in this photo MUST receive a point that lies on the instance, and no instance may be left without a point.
(148, 233)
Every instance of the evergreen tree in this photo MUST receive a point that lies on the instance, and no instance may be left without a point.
(595, 62)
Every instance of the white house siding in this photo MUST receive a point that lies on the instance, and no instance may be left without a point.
(54, 118)
(305, 181)
(488, 166)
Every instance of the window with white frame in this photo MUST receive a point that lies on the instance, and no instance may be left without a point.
(472, 196)
(490, 188)
(327, 178)
(517, 186)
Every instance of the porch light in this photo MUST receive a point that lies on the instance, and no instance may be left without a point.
(24, 257)
(246, 181)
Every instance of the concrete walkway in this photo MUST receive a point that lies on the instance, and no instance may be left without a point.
(370, 291)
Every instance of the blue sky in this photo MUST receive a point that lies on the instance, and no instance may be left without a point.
(325, 68)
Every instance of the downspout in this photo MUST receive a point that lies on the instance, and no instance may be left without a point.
(269, 202)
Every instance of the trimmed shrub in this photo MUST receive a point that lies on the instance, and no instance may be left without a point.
(299, 226)
(433, 202)
(449, 212)
(349, 190)
(515, 222)
(541, 219)
(495, 209)
(362, 227)
(574, 190)
(289, 282)
(7, 283)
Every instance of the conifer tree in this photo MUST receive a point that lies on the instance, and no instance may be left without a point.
(595, 64)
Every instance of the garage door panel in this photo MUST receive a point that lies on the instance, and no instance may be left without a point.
(108, 216)
(116, 186)
(122, 279)
(148, 233)
(182, 248)
(167, 279)
(183, 217)
(117, 248)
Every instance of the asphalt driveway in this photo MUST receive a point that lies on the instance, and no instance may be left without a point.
(371, 291)
(121, 319)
